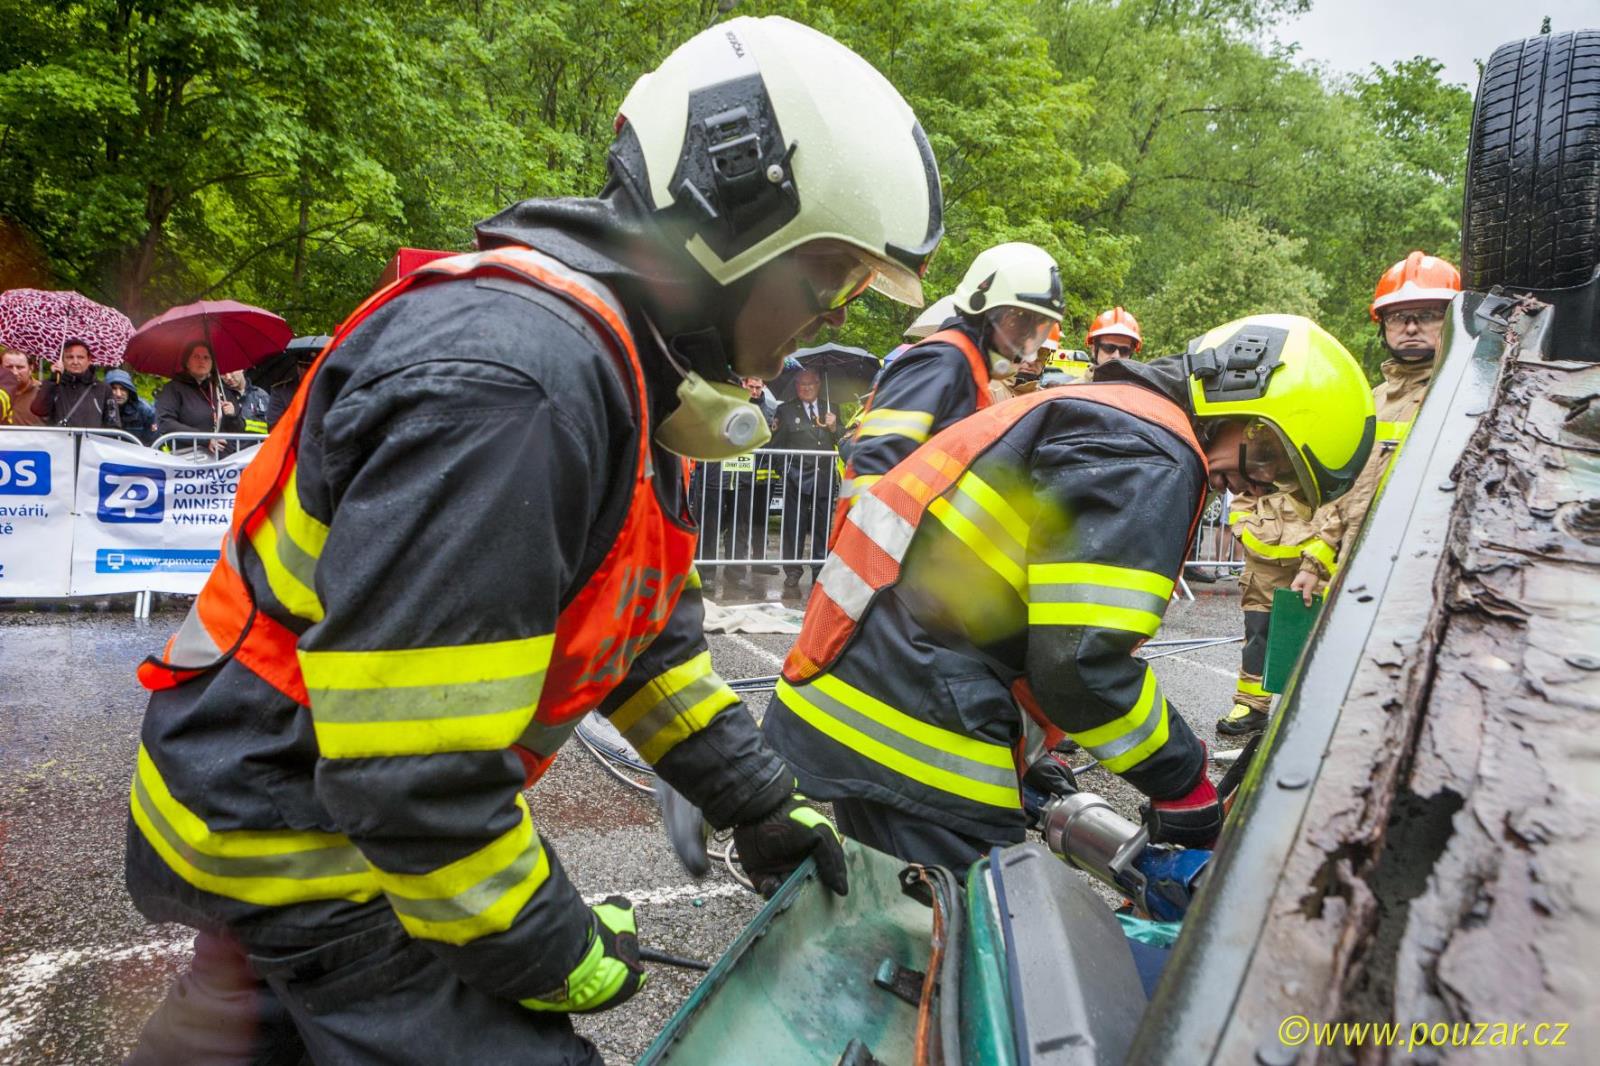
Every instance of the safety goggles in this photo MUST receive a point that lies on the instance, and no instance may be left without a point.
(1413, 316)
(1121, 351)
(1267, 461)
(833, 279)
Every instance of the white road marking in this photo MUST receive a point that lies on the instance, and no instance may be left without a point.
(656, 897)
(25, 979)
(1219, 671)
(754, 649)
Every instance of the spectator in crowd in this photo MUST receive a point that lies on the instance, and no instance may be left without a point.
(76, 398)
(8, 388)
(741, 528)
(127, 411)
(197, 402)
(810, 424)
(25, 390)
(252, 400)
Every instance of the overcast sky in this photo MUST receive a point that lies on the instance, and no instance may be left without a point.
(1349, 34)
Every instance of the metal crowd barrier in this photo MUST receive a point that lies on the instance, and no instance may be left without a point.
(773, 507)
(78, 434)
(197, 446)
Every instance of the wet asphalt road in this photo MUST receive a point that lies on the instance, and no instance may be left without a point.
(80, 970)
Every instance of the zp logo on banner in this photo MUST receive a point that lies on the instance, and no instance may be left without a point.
(132, 493)
(24, 473)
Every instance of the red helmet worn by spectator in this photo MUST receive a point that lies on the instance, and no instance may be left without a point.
(1418, 276)
(1115, 322)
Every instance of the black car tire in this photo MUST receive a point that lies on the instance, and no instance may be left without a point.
(1532, 211)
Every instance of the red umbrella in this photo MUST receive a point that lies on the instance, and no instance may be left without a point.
(37, 321)
(239, 336)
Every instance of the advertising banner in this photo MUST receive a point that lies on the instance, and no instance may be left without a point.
(36, 495)
(147, 520)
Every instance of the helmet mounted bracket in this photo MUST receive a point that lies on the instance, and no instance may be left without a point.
(1240, 369)
(733, 180)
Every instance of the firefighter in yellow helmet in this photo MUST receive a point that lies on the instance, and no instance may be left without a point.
(1289, 546)
(468, 531)
(1012, 565)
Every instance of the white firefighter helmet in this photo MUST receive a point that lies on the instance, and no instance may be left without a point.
(760, 135)
(1015, 274)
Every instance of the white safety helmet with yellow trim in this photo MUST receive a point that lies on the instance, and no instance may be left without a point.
(760, 135)
(1304, 395)
(1015, 274)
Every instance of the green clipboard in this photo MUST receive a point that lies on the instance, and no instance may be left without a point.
(1290, 627)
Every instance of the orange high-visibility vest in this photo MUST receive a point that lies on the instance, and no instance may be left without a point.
(616, 615)
(871, 541)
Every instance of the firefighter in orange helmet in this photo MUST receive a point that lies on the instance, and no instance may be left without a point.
(1286, 544)
(1114, 334)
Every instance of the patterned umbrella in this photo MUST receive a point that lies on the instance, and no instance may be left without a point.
(239, 336)
(37, 322)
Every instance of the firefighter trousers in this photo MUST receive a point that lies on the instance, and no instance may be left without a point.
(375, 996)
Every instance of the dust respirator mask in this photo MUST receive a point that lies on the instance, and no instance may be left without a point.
(714, 420)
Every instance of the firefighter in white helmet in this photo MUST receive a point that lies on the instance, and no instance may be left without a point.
(469, 530)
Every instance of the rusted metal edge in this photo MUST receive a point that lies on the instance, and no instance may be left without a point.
(1286, 906)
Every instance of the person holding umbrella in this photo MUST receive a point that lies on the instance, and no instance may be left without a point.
(196, 401)
(76, 398)
(805, 423)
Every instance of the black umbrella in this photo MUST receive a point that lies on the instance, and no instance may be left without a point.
(832, 362)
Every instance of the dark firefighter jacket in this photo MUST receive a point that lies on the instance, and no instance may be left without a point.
(927, 389)
(1046, 563)
(467, 458)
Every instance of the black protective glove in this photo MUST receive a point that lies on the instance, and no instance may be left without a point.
(772, 846)
(609, 972)
(1051, 775)
(1192, 820)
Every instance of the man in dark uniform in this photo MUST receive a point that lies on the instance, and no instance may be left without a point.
(806, 423)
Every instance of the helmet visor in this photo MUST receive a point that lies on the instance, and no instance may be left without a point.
(1270, 462)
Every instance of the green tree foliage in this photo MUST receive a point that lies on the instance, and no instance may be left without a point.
(158, 151)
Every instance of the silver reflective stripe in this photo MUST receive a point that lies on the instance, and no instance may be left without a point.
(192, 646)
(301, 564)
(547, 739)
(672, 706)
(915, 749)
(475, 900)
(1128, 741)
(1103, 595)
(845, 587)
(297, 865)
(887, 530)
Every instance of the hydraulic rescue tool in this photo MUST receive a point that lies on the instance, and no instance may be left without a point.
(1083, 829)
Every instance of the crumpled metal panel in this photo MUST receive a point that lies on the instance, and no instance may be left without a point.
(1418, 837)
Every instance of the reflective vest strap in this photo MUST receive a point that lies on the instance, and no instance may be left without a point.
(873, 536)
(975, 360)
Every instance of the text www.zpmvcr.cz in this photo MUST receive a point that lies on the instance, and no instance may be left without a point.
(1298, 1030)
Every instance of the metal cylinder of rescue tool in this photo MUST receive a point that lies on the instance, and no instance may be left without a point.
(1083, 829)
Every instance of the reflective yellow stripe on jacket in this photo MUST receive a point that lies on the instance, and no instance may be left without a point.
(1125, 742)
(475, 895)
(289, 543)
(985, 522)
(672, 707)
(270, 868)
(921, 751)
(1098, 595)
(419, 701)
(913, 425)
